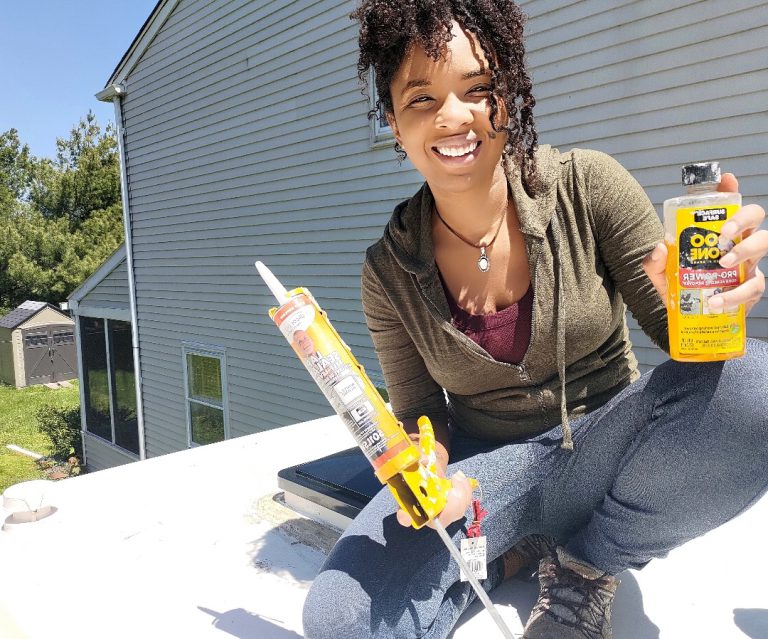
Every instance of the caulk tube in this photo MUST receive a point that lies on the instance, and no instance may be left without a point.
(343, 381)
(417, 488)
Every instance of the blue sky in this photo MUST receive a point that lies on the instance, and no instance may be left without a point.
(54, 56)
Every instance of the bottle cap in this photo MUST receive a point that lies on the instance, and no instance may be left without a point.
(701, 173)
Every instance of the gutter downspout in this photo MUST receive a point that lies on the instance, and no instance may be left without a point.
(113, 93)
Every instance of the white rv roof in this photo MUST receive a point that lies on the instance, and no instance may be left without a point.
(189, 545)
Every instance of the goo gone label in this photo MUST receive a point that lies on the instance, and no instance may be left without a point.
(700, 276)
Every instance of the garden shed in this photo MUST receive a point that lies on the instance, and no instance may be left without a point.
(37, 345)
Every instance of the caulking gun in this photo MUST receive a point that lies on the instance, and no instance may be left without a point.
(416, 487)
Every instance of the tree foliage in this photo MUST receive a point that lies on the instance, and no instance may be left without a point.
(85, 176)
(15, 170)
(59, 220)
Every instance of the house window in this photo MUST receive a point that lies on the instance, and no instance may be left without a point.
(109, 381)
(205, 375)
(381, 132)
(123, 386)
(93, 342)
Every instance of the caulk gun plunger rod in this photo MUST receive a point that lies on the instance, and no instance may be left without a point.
(482, 595)
(278, 290)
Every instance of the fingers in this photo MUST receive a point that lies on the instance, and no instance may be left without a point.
(743, 222)
(403, 518)
(655, 266)
(728, 183)
(748, 294)
(752, 248)
(749, 251)
(459, 499)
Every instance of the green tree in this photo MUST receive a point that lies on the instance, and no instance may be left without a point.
(85, 176)
(59, 220)
(44, 259)
(15, 170)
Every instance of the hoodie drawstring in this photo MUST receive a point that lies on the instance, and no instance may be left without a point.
(560, 340)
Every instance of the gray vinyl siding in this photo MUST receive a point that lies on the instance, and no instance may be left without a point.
(101, 454)
(111, 292)
(656, 85)
(247, 138)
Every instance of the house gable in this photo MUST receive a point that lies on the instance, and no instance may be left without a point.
(142, 40)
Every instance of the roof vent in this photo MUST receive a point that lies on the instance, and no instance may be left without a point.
(26, 503)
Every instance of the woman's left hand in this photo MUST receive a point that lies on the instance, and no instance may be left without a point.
(752, 248)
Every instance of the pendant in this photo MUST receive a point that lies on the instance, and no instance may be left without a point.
(483, 262)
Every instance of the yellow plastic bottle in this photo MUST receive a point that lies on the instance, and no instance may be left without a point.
(692, 225)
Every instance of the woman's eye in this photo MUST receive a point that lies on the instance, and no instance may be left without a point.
(481, 89)
(420, 99)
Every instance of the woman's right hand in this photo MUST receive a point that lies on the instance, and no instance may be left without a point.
(458, 500)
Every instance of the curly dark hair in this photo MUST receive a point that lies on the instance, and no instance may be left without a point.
(389, 28)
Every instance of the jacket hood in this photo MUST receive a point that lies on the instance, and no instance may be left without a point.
(408, 235)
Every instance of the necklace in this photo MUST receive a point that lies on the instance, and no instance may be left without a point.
(483, 262)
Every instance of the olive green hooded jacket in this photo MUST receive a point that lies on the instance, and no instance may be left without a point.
(586, 232)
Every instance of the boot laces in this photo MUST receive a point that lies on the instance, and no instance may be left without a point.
(575, 601)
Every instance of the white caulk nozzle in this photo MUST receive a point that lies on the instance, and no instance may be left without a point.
(278, 290)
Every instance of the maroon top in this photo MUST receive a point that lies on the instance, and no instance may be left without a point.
(504, 335)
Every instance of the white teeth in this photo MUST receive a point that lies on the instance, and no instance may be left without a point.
(456, 151)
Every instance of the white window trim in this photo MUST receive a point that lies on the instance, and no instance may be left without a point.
(206, 350)
(381, 136)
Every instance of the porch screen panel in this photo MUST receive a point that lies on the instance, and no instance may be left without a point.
(96, 391)
(124, 386)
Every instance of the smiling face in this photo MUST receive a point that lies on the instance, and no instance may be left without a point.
(304, 343)
(442, 114)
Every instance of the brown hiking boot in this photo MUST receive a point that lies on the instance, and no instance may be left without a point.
(526, 553)
(575, 600)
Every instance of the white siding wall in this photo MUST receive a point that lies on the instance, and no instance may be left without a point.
(101, 454)
(247, 139)
(657, 85)
(111, 292)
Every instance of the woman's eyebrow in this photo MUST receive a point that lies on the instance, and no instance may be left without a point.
(412, 84)
(473, 74)
(420, 82)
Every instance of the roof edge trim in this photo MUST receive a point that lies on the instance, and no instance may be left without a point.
(110, 93)
(141, 42)
(91, 282)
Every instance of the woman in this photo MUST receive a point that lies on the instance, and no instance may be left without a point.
(500, 286)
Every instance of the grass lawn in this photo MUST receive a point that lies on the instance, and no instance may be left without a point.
(18, 426)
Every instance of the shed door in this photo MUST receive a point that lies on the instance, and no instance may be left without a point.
(49, 353)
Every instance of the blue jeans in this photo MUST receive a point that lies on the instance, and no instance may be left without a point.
(679, 452)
